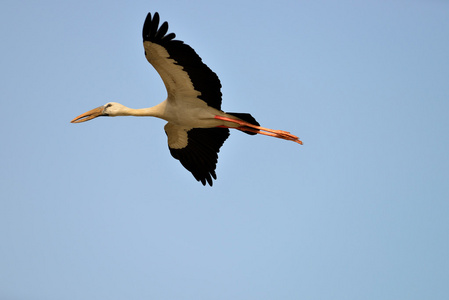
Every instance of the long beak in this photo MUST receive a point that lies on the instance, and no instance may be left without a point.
(91, 114)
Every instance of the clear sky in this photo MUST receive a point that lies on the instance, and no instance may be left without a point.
(100, 210)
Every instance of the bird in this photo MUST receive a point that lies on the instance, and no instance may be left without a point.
(196, 126)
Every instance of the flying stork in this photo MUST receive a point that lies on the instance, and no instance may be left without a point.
(197, 127)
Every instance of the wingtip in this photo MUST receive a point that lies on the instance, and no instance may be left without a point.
(152, 32)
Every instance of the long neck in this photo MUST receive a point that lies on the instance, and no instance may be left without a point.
(155, 111)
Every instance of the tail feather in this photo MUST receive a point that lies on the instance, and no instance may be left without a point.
(247, 118)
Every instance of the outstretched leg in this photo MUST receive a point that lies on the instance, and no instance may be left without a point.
(262, 130)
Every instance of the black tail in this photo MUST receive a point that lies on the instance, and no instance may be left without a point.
(247, 118)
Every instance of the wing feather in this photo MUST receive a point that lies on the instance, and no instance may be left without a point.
(197, 149)
(181, 69)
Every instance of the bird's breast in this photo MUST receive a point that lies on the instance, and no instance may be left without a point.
(192, 114)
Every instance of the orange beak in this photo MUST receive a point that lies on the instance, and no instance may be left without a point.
(91, 114)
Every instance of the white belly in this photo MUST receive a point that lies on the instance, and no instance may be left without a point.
(194, 113)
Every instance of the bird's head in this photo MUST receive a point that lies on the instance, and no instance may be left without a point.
(110, 109)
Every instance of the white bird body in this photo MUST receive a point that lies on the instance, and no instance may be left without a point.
(197, 127)
(186, 113)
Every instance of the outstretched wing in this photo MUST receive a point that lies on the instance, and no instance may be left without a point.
(197, 149)
(182, 70)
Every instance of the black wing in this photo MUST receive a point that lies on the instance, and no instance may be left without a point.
(181, 69)
(197, 149)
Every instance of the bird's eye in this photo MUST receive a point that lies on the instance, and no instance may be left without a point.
(108, 105)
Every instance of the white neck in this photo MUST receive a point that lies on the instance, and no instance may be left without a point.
(155, 111)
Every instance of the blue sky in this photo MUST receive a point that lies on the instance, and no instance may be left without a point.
(101, 210)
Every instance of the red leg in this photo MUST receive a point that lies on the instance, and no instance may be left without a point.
(262, 130)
